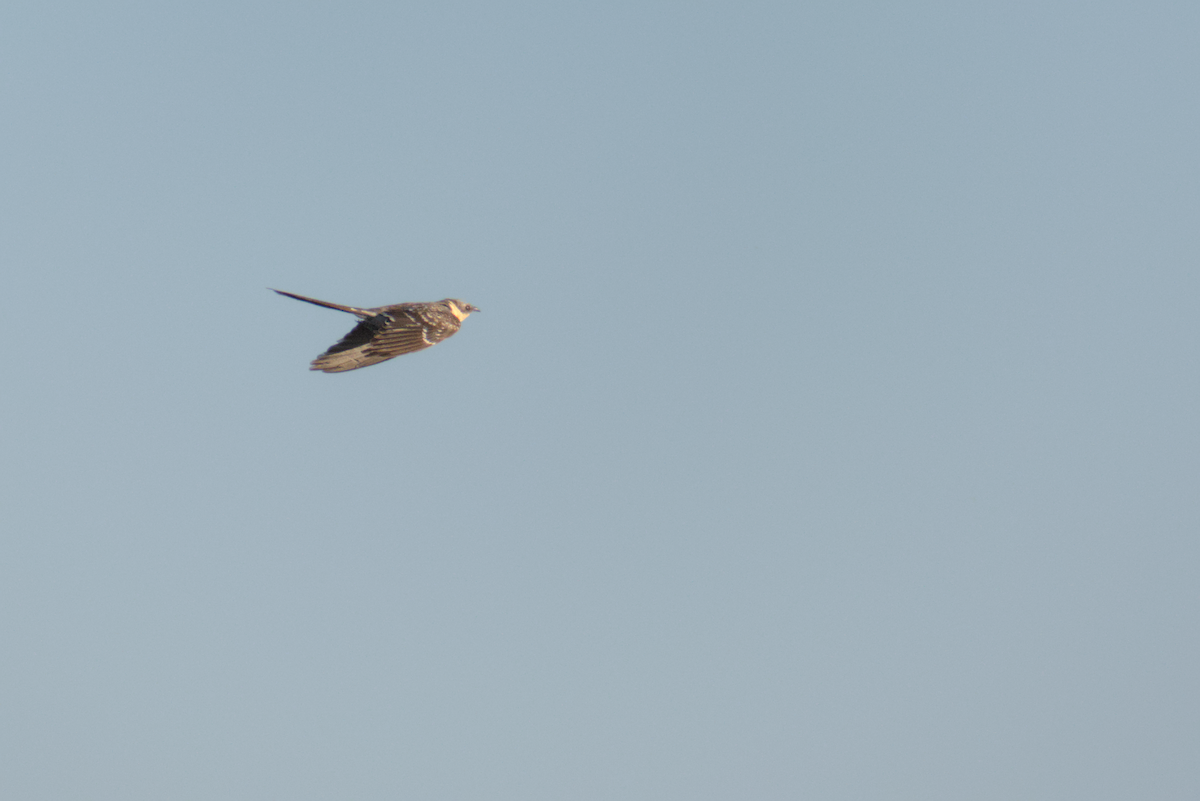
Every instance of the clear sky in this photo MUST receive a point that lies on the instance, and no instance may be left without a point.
(829, 430)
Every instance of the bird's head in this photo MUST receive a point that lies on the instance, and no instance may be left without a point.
(459, 309)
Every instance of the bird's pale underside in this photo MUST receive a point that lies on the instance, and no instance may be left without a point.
(385, 332)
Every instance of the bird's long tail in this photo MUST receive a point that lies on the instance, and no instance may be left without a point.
(325, 303)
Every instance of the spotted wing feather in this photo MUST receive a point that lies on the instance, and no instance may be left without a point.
(391, 333)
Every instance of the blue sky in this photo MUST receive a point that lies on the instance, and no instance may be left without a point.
(829, 429)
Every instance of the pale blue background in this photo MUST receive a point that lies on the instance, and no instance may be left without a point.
(829, 430)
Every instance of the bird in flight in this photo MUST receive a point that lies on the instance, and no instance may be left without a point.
(385, 332)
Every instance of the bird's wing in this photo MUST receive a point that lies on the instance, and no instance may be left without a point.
(376, 340)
